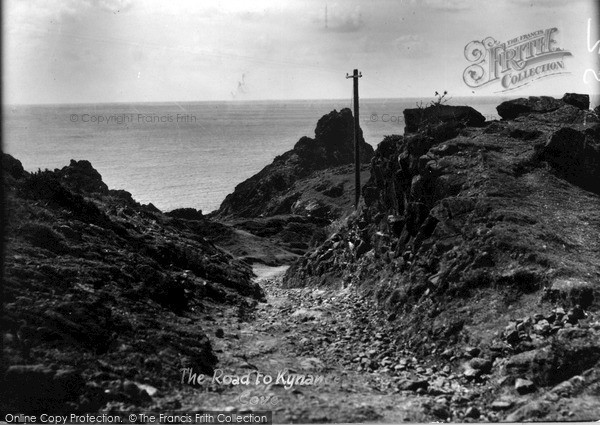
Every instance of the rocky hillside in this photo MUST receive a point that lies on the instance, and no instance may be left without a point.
(486, 241)
(269, 192)
(290, 201)
(105, 300)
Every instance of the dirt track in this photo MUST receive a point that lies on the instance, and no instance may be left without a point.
(334, 335)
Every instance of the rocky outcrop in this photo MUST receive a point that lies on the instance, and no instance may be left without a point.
(463, 228)
(511, 109)
(114, 292)
(290, 201)
(80, 176)
(575, 155)
(418, 118)
(270, 191)
(570, 109)
(581, 101)
(12, 167)
(186, 213)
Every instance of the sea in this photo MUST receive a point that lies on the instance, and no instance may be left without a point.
(190, 154)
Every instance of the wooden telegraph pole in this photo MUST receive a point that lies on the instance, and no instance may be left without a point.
(355, 76)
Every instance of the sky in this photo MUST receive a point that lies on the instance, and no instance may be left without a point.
(89, 51)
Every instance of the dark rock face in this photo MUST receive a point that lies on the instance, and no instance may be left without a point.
(92, 280)
(573, 351)
(511, 109)
(334, 135)
(462, 226)
(12, 166)
(575, 155)
(581, 101)
(453, 231)
(417, 118)
(266, 193)
(80, 176)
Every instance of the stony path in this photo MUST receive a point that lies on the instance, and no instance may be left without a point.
(334, 335)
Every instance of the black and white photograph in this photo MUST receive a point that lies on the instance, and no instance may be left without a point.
(300, 211)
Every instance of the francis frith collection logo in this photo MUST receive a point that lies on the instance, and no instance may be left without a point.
(516, 62)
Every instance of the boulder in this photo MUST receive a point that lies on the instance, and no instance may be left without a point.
(473, 351)
(472, 412)
(581, 101)
(312, 208)
(136, 393)
(542, 327)
(573, 351)
(416, 118)
(478, 363)
(511, 109)
(412, 385)
(524, 386)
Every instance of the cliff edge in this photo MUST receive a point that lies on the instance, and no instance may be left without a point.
(105, 300)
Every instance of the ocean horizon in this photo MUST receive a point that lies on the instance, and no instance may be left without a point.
(188, 154)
